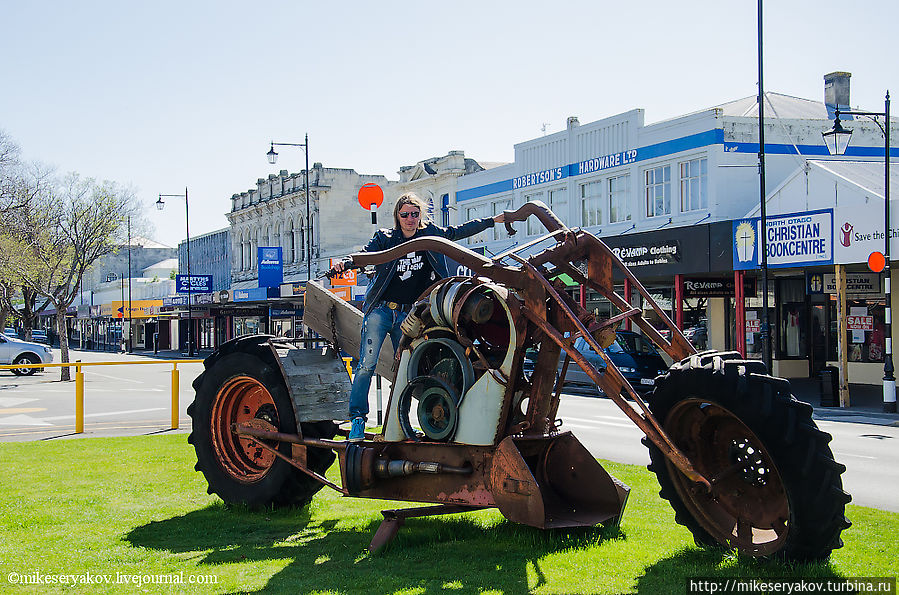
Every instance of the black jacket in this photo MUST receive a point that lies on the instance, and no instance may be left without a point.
(384, 239)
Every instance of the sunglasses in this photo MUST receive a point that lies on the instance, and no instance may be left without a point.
(414, 215)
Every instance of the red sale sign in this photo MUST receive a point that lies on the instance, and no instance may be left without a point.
(860, 323)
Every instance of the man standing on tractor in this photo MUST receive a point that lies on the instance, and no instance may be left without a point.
(395, 287)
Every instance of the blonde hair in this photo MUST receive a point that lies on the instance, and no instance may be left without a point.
(410, 198)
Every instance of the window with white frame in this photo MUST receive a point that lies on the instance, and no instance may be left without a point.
(534, 225)
(694, 186)
(558, 204)
(591, 203)
(658, 191)
(619, 193)
(499, 231)
(477, 212)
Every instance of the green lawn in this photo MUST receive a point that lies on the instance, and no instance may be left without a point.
(135, 506)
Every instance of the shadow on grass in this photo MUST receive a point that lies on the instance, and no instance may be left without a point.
(678, 570)
(430, 555)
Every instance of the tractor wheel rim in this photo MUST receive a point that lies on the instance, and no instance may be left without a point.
(239, 400)
(748, 508)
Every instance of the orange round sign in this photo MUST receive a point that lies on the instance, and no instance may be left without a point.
(370, 194)
(876, 261)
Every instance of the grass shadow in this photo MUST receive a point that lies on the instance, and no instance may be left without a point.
(328, 555)
(695, 564)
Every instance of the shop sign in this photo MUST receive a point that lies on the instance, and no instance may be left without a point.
(540, 177)
(203, 298)
(858, 283)
(285, 312)
(139, 309)
(271, 266)
(345, 279)
(84, 311)
(238, 312)
(195, 283)
(254, 294)
(344, 293)
(605, 162)
(753, 325)
(709, 287)
(796, 239)
(174, 300)
(859, 231)
(860, 323)
(649, 253)
(293, 289)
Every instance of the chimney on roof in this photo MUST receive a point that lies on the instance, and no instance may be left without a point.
(836, 91)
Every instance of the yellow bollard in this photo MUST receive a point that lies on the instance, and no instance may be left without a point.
(79, 399)
(175, 387)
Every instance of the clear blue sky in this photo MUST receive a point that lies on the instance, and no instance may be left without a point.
(166, 94)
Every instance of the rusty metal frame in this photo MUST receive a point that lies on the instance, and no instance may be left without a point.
(543, 314)
(530, 276)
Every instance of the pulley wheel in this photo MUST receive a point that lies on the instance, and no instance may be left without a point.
(437, 413)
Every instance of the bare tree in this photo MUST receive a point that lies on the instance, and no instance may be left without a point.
(48, 244)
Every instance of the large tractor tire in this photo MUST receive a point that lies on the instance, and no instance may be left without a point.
(776, 487)
(241, 381)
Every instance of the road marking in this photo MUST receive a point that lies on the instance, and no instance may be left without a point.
(92, 373)
(618, 418)
(599, 423)
(6, 411)
(13, 401)
(105, 414)
(22, 420)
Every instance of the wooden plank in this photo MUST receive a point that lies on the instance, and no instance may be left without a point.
(317, 308)
(317, 382)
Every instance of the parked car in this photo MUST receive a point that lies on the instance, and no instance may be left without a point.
(10, 332)
(634, 355)
(39, 336)
(16, 352)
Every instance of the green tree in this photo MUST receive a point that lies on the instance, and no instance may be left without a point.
(48, 244)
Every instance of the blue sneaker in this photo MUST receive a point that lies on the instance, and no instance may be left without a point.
(357, 430)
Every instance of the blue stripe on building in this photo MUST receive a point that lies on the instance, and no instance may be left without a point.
(670, 147)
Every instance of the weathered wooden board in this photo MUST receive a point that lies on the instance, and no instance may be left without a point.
(317, 308)
(318, 383)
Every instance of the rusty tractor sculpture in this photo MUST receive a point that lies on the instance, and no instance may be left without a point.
(737, 456)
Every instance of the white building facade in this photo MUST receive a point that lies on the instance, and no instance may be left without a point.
(275, 214)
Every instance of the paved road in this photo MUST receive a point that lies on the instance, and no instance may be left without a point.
(870, 452)
(118, 400)
(135, 400)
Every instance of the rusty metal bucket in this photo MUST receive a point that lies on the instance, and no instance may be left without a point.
(553, 482)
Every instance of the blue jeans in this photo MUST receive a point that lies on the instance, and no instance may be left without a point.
(376, 325)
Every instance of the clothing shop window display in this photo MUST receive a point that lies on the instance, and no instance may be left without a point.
(792, 340)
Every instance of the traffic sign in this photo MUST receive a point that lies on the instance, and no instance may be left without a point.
(370, 198)
(876, 261)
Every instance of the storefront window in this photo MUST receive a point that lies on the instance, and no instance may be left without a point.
(865, 330)
(246, 325)
(282, 327)
(792, 323)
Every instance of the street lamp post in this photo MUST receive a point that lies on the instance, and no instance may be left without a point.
(837, 140)
(160, 204)
(273, 159)
(130, 322)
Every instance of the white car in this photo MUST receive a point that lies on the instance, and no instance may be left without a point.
(16, 352)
